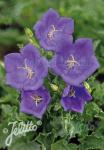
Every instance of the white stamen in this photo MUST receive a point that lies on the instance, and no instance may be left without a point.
(51, 32)
(28, 69)
(37, 99)
(71, 62)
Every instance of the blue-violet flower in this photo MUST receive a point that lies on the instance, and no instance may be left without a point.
(35, 102)
(74, 98)
(75, 62)
(51, 28)
(26, 70)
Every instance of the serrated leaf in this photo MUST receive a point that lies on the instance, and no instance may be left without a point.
(23, 145)
(45, 140)
(91, 142)
(63, 145)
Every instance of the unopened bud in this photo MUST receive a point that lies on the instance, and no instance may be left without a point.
(87, 86)
(28, 33)
(54, 87)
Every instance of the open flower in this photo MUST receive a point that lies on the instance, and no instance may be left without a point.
(35, 102)
(74, 98)
(75, 62)
(51, 28)
(26, 70)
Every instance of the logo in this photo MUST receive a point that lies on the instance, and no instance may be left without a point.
(20, 129)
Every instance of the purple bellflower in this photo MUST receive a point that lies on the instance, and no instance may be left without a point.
(75, 62)
(74, 98)
(26, 70)
(51, 28)
(35, 102)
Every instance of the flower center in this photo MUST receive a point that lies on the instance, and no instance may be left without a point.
(29, 70)
(72, 92)
(51, 32)
(37, 99)
(71, 62)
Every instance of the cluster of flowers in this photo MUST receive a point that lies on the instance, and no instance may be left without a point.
(73, 61)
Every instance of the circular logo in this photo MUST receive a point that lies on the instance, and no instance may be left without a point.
(5, 130)
(39, 123)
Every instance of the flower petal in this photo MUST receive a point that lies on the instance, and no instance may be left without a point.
(51, 28)
(84, 47)
(73, 104)
(42, 67)
(30, 52)
(39, 29)
(50, 17)
(28, 105)
(16, 79)
(66, 25)
(84, 64)
(13, 61)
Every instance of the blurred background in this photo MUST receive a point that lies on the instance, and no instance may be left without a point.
(16, 15)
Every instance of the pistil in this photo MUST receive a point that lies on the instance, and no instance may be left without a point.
(71, 62)
(37, 99)
(51, 32)
(72, 92)
(29, 70)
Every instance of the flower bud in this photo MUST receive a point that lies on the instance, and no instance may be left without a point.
(54, 87)
(87, 86)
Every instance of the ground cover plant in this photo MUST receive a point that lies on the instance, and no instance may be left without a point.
(64, 125)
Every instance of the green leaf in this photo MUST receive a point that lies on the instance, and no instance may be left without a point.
(63, 145)
(45, 139)
(91, 142)
(4, 132)
(23, 145)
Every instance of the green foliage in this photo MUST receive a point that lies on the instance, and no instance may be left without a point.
(23, 145)
(92, 142)
(62, 144)
(58, 128)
